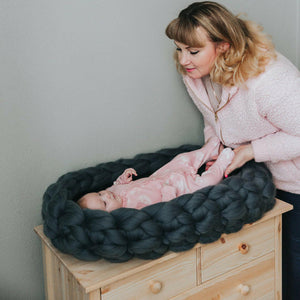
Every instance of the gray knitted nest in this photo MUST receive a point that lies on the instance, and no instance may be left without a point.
(150, 232)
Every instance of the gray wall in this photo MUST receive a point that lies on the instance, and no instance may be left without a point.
(84, 82)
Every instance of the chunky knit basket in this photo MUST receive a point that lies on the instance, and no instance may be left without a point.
(150, 232)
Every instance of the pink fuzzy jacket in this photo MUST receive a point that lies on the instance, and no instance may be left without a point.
(266, 113)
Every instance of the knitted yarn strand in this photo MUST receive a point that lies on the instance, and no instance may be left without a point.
(149, 233)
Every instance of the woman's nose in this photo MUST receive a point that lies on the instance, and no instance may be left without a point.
(183, 59)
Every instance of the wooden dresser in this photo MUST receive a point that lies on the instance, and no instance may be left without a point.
(242, 265)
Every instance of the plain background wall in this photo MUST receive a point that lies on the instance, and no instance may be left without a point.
(89, 81)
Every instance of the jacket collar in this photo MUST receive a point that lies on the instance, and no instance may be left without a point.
(197, 87)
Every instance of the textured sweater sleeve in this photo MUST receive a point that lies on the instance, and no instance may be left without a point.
(278, 100)
(209, 132)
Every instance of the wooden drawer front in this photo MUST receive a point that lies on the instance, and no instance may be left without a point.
(236, 249)
(253, 281)
(159, 282)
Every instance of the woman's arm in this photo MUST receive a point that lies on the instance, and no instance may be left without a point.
(209, 132)
(278, 100)
(277, 97)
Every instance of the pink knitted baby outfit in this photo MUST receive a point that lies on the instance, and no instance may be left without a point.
(176, 178)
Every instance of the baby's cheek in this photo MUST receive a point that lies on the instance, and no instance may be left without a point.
(114, 205)
(108, 198)
(101, 205)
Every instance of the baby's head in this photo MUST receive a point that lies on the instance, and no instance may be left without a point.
(103, 200)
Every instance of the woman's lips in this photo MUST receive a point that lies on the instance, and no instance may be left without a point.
(190, 69)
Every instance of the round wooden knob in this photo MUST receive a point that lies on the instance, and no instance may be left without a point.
(244, 289)
(155, 286)
(243, 248)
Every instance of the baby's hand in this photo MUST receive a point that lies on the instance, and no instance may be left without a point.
(126, 177)
(213, 158)
(128, 174)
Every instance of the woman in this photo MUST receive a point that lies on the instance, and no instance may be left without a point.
(249, 96)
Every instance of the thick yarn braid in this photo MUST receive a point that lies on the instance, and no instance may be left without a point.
(152, 231)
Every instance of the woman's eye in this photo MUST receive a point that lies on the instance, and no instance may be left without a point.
(194, 52)
(178, 49)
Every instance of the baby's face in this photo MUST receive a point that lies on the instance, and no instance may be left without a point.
(104, 200)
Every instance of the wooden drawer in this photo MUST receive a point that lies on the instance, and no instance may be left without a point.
(159, 282)
(253, 281)
(237, 249)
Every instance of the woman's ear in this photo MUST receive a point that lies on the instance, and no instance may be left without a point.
(223, 47)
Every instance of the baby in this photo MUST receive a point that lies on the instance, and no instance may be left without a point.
(177, 177)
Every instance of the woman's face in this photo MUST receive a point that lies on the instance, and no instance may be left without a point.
(197, 62)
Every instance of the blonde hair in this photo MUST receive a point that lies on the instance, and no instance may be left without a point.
(250, 49)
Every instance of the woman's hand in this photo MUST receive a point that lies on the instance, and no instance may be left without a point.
(243, 154)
